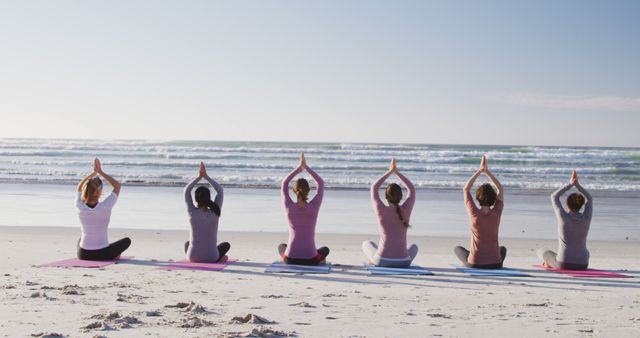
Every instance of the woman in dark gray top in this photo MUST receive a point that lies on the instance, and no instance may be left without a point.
(573, 228)
(204, 221)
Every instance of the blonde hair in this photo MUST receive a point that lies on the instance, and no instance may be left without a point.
(90, 187)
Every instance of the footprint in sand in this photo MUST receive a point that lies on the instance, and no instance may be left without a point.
(189, 307)
(48, 335)
(250, 318)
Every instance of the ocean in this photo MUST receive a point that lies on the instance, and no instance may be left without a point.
(342, 165)
(38, 181)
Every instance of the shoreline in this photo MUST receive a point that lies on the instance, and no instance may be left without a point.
(436, 214)
(512, 190)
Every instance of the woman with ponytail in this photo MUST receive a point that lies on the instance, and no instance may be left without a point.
(393, 218)
(204, 221)
(302, 216)
(485, 252)
(573, 228)
(95, 216)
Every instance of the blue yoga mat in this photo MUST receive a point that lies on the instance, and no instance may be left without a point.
(279, 267)
(491, 272)
(411, 270)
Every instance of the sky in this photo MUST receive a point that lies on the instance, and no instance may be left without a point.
(453, 72)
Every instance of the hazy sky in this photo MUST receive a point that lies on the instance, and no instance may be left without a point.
(477, 72)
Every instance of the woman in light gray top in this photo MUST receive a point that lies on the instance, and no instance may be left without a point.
(204, 222)
(573, 228)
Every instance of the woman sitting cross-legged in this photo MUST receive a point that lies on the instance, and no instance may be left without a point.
(573, 228)
(302, 215)
(394, 223)
(485, 252)
(204, 221)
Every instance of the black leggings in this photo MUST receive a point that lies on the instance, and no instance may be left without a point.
(223, 248)
(550, 258)
(323, 252)
(105, 254)
(463, 256)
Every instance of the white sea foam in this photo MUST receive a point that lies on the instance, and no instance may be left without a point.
(250, 164)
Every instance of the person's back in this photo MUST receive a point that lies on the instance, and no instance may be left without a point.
(485, 248)
(302, 227)
(393, 233)
(573, 229)
(203, 237)
(95, 221)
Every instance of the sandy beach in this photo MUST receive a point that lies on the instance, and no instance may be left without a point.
(135, 298)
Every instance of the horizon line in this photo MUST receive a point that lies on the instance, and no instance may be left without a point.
(314, 142)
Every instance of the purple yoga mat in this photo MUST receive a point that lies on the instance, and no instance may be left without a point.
(186, 265)
(78, 263)
(591, 273)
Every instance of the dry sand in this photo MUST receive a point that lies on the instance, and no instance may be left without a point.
(135, 299)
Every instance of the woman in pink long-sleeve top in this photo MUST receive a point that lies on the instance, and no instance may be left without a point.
(392, 250)
(302, 217)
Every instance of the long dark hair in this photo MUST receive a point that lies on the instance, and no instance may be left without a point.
(393, 195)
(203, 197)
(575, 202)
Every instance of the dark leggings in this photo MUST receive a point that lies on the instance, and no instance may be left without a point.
(323, 252)
(105, 254)
(223, 248)
(463, 256)
(550, 258)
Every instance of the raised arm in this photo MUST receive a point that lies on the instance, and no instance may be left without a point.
(471, 182)
(285, 185)
(320, 193)
(588, 207)
(411, 199)
(84, 180)
(219, 191)
(484, 167)
(555, 199)
(112, 181)
(188, 200)
(375, 190)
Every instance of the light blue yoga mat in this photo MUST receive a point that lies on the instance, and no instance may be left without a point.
(411, 270)
(506, 272)
(279, 267)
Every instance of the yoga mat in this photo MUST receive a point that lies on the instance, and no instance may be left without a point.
(77, 263)
(411, 270)
(506, 272)
(588, 273)
(186, 265)
(279, 267)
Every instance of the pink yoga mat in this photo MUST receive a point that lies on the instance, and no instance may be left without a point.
(592, 273)
(78, 263)
(186, 265)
